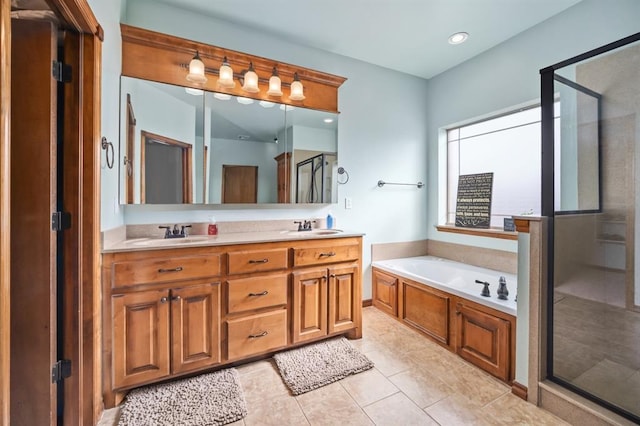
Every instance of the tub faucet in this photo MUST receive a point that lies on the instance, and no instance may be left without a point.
(502, 289)
(485, 290)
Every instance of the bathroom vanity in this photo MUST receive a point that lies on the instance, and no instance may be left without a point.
(177, 307)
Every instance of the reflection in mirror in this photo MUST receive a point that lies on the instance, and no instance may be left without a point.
(161, 138)
(266, 152)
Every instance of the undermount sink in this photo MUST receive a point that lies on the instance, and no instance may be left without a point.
(168, 241)
(314, 232)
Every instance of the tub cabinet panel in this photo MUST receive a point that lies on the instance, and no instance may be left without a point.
(174, 311)
(385, 292)
(481, 335)
(484, 340)
(427, 310)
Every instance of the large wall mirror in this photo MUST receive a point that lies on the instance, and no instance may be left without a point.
(182, 145)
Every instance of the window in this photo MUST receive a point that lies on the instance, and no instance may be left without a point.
(508, 146)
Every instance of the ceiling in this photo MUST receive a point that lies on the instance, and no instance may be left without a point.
(409, 36)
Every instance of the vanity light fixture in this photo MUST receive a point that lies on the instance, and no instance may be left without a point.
(297, 91)
(250, 80)
(222, 96)
(196, 70)
(458, 38)
(275, 84)
(225, 79)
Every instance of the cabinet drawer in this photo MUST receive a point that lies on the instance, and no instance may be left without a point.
(164, 270)
(318, 255)
(257, 333)
(257, 292)
(246, 262)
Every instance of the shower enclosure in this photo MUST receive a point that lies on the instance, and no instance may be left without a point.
(315, 179)
(590, 189)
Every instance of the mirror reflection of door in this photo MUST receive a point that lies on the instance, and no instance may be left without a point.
(128, 159)
(239, 184)
(166, 170)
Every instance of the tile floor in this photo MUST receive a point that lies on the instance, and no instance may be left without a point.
(414, 382)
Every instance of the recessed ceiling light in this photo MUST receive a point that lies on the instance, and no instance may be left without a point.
(287, 107)
(244, 101)
(458, 38)
(222, 96)
(328, 120)
(194, 92)
(267, 104)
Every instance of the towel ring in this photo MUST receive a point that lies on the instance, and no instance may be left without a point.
(106, 145)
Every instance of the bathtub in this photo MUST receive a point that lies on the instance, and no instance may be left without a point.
(455, 278)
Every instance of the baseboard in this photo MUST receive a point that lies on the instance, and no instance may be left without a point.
(368, 302)
(519, 390)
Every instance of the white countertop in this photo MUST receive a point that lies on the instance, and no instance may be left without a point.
(137, 244)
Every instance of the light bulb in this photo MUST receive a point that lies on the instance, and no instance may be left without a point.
(250, 80)
(275, 84)
(226, 75)
(196, 70)
(297, 91)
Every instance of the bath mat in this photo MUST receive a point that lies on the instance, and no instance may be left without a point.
(209, 399)
(316, 365)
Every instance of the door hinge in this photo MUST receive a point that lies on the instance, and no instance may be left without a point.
(60, 221)
(60, 370)
(61, 72)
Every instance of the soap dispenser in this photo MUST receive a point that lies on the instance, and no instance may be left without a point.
(329, 221)
(213, 227)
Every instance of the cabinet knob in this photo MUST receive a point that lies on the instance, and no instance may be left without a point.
(332, 275)
(256, 336)
(164, 300)
(176, 298)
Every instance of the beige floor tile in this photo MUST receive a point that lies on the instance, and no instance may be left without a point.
(397, 409)
(369, 386)
(511, 410)
(262, 384)
(422, 388)
(389, 362)
(458, 410)
(110, 417)
(332, 405)
(475, 385)
(277, 411)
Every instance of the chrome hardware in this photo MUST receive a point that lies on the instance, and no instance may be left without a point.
(164, 300)
(175, 232)
(264, 293)
(332, 275)
(304, 225)
(256, 336)
(485, 290)
(177, 269)
(258, 261)
(502, 289)
(330, 254)
(175, 298)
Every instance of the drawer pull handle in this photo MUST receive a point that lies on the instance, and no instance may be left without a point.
(264, 293)
(330, 254)
(259, 261)
(256, 336)
(162, 271)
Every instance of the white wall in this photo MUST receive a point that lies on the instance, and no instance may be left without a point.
(382, 134)
(508, 75)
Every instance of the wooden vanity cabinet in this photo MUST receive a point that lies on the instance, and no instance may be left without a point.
(426, 309)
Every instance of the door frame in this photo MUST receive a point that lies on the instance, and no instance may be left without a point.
(83, 396)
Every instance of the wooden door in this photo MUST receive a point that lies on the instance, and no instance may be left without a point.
(283, 177)
(33, 243)
(195, 327)
(385, 292)
(140, 337)
(309, 304)
(342, 298)
(239, 184)
(483, 340)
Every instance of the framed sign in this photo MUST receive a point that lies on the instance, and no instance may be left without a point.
(473, 203)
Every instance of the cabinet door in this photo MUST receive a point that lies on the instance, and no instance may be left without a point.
(427, 310)
(309, 304)
(140, 337)
(195, 327)
(343, 298)
(483, 340)
(385, 292)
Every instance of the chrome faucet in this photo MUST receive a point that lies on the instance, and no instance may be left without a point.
(304, 225)
(175, 232)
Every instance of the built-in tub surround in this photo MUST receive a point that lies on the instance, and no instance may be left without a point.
(455, 278)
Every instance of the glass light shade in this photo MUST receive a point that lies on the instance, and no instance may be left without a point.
(250, 81)
(297, 91)
(196, 70)
(226, 76)
(275, 84)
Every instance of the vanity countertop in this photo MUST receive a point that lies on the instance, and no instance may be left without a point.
(154, 243)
